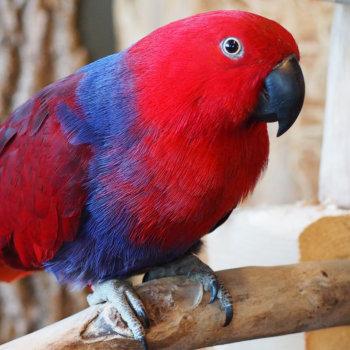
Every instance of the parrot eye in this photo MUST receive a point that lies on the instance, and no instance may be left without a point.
(231, 47)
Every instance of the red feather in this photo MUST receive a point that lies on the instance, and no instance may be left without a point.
(7, 274)
(41, 181)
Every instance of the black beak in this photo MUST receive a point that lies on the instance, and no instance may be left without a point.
(282, 96)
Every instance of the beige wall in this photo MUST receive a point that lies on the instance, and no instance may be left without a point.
(293, 170)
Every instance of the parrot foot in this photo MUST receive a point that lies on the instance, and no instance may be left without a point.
(124, 299)
(196, 270)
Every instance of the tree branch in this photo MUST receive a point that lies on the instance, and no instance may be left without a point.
(269, 301)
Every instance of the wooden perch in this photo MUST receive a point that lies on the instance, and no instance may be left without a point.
(269, 301)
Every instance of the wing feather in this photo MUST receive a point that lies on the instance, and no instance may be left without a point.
(42, 177)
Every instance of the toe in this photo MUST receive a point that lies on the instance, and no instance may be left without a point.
(124, 299)
(209, 283)
(138, 307)
(127, 314)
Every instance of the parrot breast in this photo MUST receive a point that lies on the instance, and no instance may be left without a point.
(189, 185)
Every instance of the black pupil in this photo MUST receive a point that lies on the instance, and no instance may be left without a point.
(231, 46)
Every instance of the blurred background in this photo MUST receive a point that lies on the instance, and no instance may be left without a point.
(43, 40)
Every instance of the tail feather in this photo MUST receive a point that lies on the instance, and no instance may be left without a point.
(8, 274)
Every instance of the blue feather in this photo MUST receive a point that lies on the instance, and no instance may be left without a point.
(102, 248)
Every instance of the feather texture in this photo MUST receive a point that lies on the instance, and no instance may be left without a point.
(41, 182)
(130, 161)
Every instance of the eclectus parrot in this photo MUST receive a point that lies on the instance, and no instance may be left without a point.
(123, 166)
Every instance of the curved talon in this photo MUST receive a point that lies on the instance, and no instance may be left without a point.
(229, 315)
(142, 315)
(214, 289)
(143, 342)
(225, 301)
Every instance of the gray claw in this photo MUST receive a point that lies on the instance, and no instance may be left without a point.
(143, 343)
(229, 315)
(226, 304)
(217, 292)
(142, 315)
(214, 289)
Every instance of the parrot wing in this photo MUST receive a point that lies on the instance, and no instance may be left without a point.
(42, 177)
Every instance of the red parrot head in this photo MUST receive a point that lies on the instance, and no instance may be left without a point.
(219, 69)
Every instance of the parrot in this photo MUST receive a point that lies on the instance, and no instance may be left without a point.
(123, 166)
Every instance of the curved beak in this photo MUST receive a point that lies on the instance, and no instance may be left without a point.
(282, 96)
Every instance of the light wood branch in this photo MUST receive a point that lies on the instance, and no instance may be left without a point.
(268, 301)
